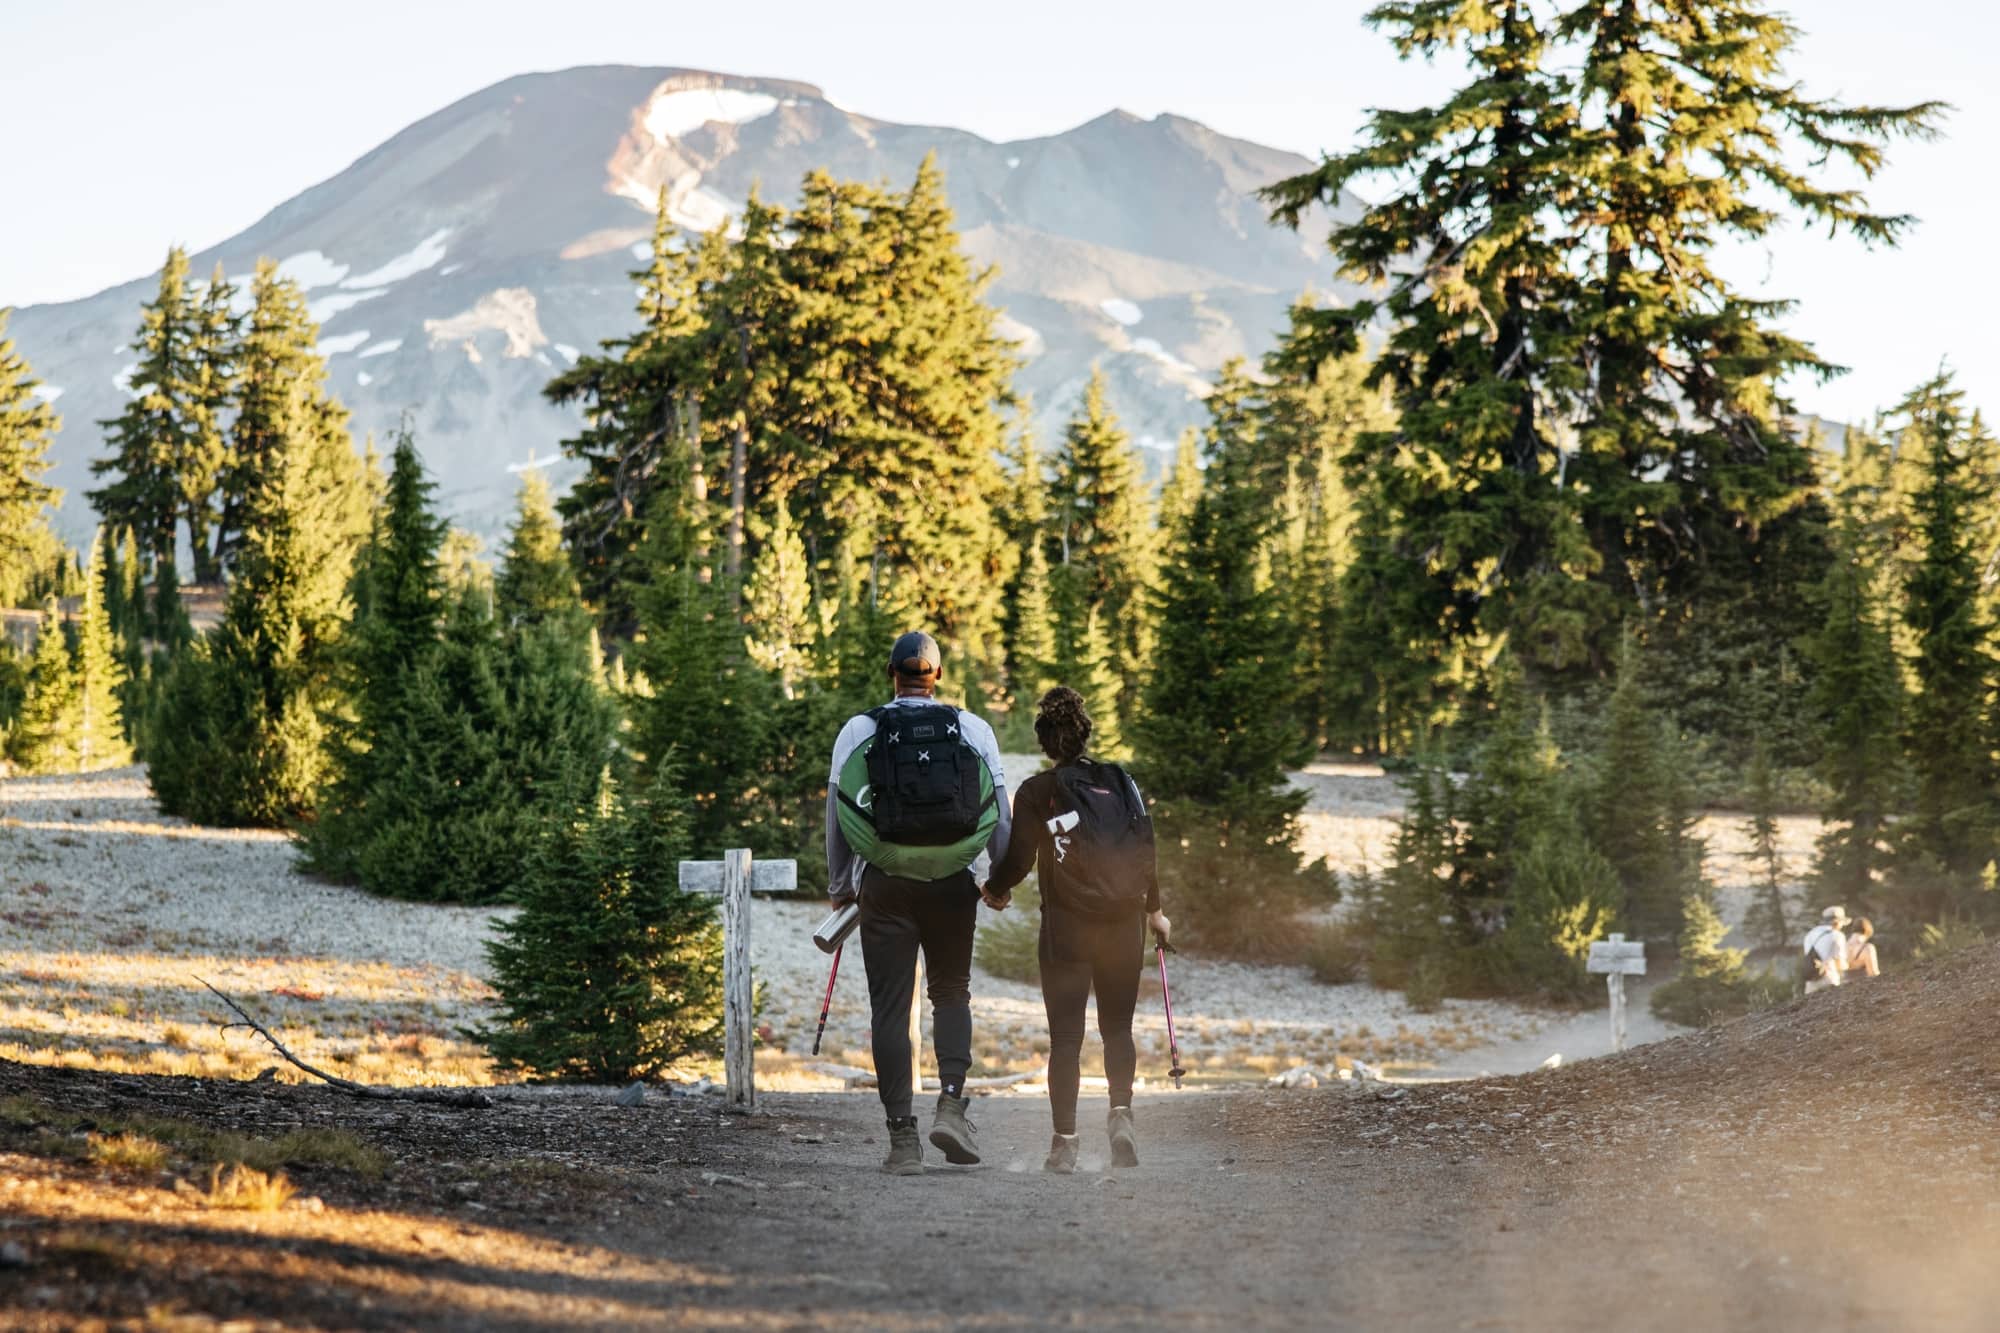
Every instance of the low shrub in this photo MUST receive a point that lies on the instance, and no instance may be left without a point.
(1336, 954)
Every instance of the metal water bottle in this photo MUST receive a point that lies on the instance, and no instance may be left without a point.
(839, 924)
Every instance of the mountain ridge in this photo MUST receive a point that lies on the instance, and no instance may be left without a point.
(458, 264)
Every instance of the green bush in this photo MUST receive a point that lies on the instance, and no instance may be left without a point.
(1714, 984)
(1947, 936)
(1336, 954)
(218, 753)
(1009, 948)
(610, 971)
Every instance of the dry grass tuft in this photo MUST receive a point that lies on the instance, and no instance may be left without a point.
(246, 1189)
(133, 1151)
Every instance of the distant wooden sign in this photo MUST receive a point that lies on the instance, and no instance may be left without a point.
(1618, 955)
(1617, 958)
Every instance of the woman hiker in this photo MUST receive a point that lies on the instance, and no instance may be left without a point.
(1082, 827)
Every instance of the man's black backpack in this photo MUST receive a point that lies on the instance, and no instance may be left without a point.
(926, 781)
(1103, 840)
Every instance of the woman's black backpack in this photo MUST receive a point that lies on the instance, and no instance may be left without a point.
(1103, 840)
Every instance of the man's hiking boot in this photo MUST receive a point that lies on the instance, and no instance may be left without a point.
(1062, 1155)
(906, 1151)
(1124, 1139)
(951, 1132)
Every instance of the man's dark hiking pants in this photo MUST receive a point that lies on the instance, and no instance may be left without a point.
(899, 917)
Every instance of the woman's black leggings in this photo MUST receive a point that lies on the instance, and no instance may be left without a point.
(1077, 955)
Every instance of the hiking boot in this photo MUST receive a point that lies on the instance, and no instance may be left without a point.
(906, 1151)
(1062, 1155)
(1124, 1139)
(951, 1132)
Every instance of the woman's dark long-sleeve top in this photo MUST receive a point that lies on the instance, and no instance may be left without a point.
(1032, 846)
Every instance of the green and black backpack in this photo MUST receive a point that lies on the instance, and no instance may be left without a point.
(917, 800)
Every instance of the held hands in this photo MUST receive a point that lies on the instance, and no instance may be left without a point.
(1161, 927)
(999, 902)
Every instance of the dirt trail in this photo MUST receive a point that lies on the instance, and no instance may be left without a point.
(1546, 1202)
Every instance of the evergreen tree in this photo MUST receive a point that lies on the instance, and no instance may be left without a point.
(169, 621)
(393, 637)
(1215, 730)
(468, 772)
(1694, 131)
(239, 736)
(1767, 923)
(1563, 204)
(1482, 361)
(212, 352)
(1949, 835)
(157, 432)
(1638, 805)
(283, 406)
(1181, 488)
(536, 583)
(100, 675)
(27, 424)
(1092, 674)
(1216, 735)
(1713, 983)
(703, 707)
(1029, 622)
(610, 971)
(1857, 703)
(778, 605)
(1098, 523)
(45, 734)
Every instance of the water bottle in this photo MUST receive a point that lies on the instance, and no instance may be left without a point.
(839, 924)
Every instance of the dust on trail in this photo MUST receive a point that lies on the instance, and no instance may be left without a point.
(1697, 1184)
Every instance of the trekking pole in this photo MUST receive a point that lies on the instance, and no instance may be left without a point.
(1160, 950)
(827, 1005)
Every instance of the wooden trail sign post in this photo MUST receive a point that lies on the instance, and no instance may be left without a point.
(735, 878)
(1618, 958)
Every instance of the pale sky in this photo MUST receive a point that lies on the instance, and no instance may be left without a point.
(133, 124)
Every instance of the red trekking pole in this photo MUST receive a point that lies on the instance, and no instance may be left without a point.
(825, 1006)
(1160, 950)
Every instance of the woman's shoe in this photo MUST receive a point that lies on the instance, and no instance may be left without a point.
(1124, 1139)
(1062, 1155)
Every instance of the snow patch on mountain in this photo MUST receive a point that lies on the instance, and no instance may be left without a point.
(326, 307)
(363, 378)
(122, 381)
(1121, 310)
(382, 348)
(685, 110)
(449, 269)
(345, 342)
(566, 352)
(310, 269)
(510, 312)
(48, 393)
(426, 254)
(699, 209)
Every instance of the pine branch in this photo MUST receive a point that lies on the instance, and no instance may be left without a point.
(462, 1097)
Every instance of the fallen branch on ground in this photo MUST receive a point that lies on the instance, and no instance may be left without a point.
(467, 1097)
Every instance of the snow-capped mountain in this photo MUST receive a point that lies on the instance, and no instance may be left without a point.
(457, 266)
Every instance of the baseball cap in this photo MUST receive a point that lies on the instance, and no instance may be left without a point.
(916, 654)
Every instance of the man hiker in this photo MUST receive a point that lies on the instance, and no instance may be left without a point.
(916, 797)
(1826, 950)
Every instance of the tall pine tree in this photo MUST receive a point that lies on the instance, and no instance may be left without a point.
(27, 424)
(157, 432)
